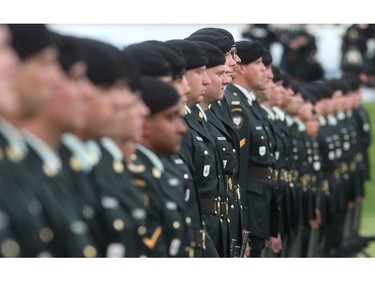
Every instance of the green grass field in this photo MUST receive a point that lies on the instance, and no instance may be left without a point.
(368, 211)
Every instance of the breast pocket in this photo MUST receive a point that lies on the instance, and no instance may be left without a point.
(259, 146)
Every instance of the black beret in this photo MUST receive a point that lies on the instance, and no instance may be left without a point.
(221, 42)
(307, 94)
(287, 80)
(103, 61)
(149, 61)
(69, 51)
(215, 30)
(294, 85)
(353, 79)
(173, 56)
(215, 56)
(249, 51)
(29, 39)
(339, 84)
(158, 95)
(277, 76)
(267, 58)
(194, 55)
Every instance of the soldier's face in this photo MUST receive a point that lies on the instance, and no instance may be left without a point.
(38, 79)
(255, 73)
(181, 85)
(66, 107)
(9, 64)
(198, 81)
(164, 130)
(219, 79)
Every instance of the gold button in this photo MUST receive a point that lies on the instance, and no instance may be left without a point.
(10, 248)
(232, 207)
(117, 166)
(118, 224)
(234, 151)
(188, 220)
(46, 234)
(205, 152)
(176, 225)
(186, 176)
(141, 230)
(89, 251)
(156, 173)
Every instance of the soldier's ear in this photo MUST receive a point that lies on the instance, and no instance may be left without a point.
(241, 68)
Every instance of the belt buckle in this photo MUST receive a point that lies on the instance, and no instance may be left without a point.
(270, 173)
(224, 209)
(275, 175)
(217, 207)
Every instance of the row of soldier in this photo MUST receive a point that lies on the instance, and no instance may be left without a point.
(194, 147)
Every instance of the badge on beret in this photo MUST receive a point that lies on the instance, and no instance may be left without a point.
(237, 121)
(206, 170)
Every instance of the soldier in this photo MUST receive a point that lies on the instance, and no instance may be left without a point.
(166, 209)
(36, 81)
(254, 145)
(94, 164)
(204, 162)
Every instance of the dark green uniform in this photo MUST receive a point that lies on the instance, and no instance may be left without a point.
(122, 215)
(70, 233)
(207, 171)
(175, 164)
(167, 233)
(258, 156)
(24, 231)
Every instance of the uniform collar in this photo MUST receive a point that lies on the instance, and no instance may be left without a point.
(249, 95)
(13, 137)
(269, 111)
(48, 155)
(301, 126)
(112, 148)
(322, 120)
(151, 156)
(188, 110)
(202, 111)
(78, 148)
(279, 112)
(94, 151)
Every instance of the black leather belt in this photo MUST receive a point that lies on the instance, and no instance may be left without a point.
(260, 172)
(214, 206)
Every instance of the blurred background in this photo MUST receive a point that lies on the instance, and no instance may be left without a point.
(327, 49)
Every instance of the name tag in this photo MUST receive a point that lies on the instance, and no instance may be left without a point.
(178, 161)
(258, 128)
(221, 138)
(199, 138)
